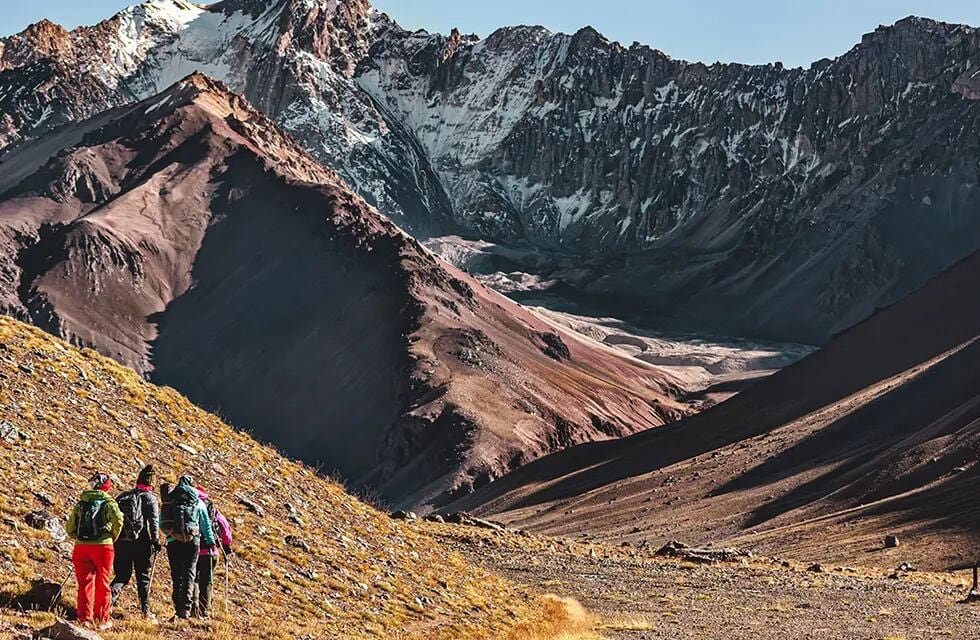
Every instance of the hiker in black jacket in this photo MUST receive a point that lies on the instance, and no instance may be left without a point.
(139, 542)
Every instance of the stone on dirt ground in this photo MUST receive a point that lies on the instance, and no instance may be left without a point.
(62, 630)
(42, 596)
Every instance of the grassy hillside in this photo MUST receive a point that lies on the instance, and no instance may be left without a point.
(319, 564)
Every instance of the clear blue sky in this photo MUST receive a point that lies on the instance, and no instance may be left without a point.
(753, 31)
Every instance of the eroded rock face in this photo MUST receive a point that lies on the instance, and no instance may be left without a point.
(588, 144)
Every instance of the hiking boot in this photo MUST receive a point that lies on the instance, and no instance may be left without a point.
(148, 615)
(104, 626)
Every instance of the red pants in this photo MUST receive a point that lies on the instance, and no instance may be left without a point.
(93, 569)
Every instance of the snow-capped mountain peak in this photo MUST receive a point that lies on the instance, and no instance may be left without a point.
(790, 186)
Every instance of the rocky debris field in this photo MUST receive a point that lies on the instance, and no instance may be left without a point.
(677, 592)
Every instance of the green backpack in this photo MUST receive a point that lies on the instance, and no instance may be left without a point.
(179, 515)
(92, 525)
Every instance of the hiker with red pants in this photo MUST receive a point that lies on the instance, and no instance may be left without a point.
(94, 524)
(139, 543)
(208, 558)
(184, 518)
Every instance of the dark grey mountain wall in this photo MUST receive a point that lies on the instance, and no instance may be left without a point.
(787, 203)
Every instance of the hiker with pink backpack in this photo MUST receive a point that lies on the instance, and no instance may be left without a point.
(208, 558)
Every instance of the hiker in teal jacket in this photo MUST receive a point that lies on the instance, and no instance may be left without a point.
(184, 546)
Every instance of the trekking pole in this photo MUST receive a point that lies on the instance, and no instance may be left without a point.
(974, 594)
(153, 568)
(227, 574)
(61, 589)
(224, 556)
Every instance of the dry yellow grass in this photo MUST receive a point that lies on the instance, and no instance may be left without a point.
(363, 575)
(562, 619)
(627, 624)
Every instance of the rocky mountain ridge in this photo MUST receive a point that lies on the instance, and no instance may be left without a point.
(293, 59)
(189, 238)
(666, 187)
(757, 200)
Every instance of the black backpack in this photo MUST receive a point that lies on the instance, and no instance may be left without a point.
(183, 520)
(91, 523)
(213, 516)
(131, 505)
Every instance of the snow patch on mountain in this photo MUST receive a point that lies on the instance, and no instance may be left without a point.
(493, 94)
(161, 42)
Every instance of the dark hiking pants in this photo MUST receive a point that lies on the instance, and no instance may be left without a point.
(133, 557)
(205, 580)
(183, 572)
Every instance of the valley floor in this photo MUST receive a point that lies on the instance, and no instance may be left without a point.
(709, 368)
(639, 597)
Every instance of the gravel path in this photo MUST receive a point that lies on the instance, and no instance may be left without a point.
(645, 598)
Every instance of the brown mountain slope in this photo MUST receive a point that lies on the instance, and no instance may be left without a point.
(187, 237)
(878, 432)
(316, 563)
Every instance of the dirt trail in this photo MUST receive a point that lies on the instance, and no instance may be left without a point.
(639, 597)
